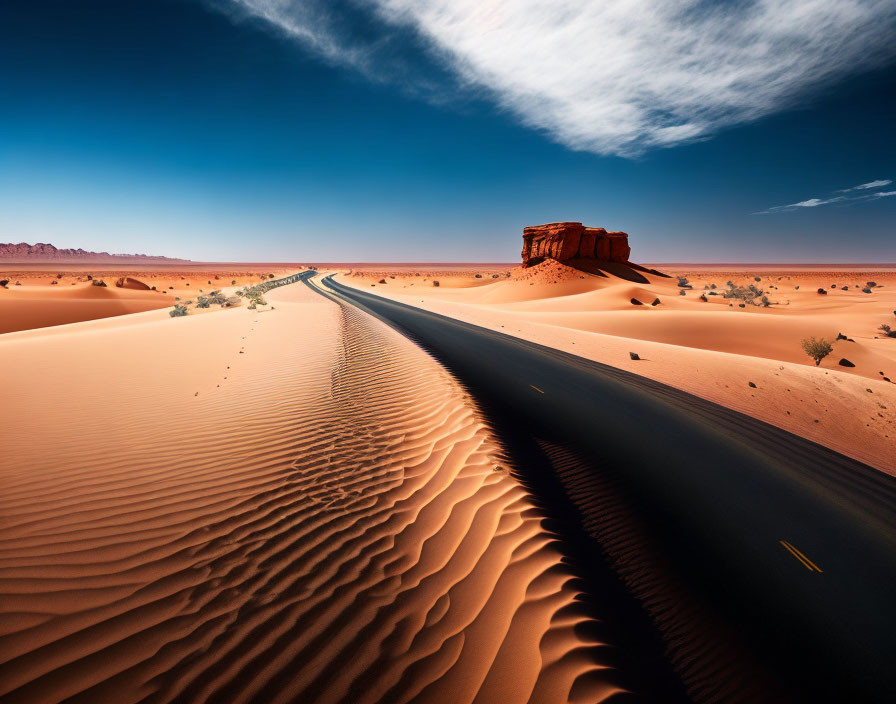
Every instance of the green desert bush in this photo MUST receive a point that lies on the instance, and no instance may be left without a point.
(744, 294)
(817, 349)
(178, 311)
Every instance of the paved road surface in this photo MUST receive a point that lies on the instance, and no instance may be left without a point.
(787, 548)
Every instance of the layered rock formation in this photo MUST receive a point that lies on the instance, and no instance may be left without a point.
(572, 240)
(24, 252)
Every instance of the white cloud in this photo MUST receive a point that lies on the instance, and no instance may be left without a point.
(812, 203)
(815, 202)
(622, 76)
(865, 186)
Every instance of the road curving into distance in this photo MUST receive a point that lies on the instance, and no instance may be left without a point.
(765, 562)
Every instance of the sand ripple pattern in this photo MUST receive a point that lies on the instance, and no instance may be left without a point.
(331, 523)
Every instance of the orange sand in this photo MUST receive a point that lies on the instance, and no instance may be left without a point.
(39, 302)
(706, 348)
(279, 505)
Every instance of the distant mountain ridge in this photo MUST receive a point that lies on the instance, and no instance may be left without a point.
(43, 252)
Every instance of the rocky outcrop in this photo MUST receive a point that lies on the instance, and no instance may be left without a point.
(24, 252)
(572, 240)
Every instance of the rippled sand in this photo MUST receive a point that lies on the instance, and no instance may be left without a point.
(294, 505)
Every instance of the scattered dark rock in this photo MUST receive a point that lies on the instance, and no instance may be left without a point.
(845, 363)
(381, 281)
(435, 283)
(656, 302)
(752, 385)
(823, 291)
(634, 356)
(840, 336)
(636, 302)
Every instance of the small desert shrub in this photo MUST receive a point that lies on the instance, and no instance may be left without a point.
(682, 293)
(233, 283)
(817, 349)
(866, 290)
(3, 282)
(745, 294)
(765, 302)
(178, 311)
(871, 284)
(683, 282)
(255, 297)
(202, 302)
(757, 278)
(98, 282)
(885, 329)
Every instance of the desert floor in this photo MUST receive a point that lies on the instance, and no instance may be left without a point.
(285, 504)
(710, 348)
(43, 295)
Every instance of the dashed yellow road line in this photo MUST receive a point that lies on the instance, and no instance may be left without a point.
(807, 563)
(536, 388)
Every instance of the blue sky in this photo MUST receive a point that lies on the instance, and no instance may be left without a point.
(385, 130)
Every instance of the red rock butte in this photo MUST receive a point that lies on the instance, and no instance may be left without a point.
(572, 240)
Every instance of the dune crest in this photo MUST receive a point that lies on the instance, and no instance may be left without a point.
(300, 506)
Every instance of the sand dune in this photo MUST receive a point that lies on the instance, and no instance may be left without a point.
(708, 348)
(278, 505)
(26, 307)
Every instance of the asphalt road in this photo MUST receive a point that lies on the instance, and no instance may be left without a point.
(788, 548)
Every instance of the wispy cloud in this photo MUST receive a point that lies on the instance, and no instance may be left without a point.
(865, 186)
(613, 76)
(816, 202)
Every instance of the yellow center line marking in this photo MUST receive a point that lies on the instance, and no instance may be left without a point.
(807, 563)
(537, 389)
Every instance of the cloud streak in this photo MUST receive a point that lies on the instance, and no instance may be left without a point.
(614, 76)
(816, 202)
(865, 186)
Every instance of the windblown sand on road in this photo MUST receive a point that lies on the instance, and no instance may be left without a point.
(277, 505)
(712, 348)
